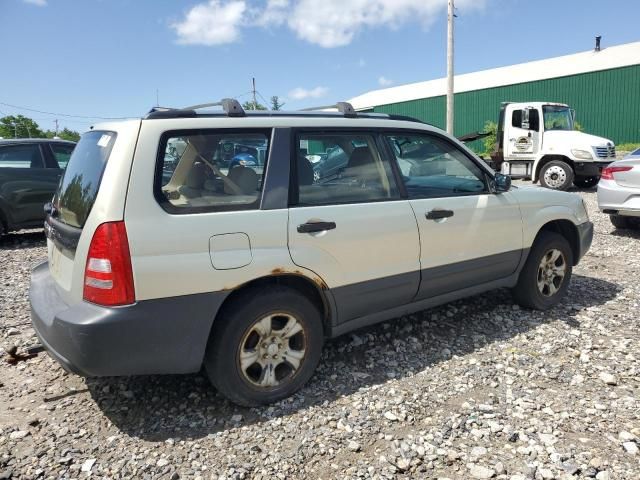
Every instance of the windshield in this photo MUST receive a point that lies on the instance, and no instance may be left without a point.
(557, 117)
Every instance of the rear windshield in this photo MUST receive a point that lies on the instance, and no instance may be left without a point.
(79, 185)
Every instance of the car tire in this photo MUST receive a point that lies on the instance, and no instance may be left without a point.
(585, 182)
(546, 274)
(251, 358)
(556, 175)
(622, 222)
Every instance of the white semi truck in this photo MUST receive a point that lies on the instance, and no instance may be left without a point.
(538, 141)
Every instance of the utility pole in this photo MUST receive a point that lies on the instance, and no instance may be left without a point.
(450, 17)
(253, 90)
(56, 122)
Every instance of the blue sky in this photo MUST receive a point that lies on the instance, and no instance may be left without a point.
(106, 58)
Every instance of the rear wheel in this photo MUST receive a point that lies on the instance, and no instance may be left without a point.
(585, 182)
(556, 175)
(619, 221)
(545, 277)
(265, 347)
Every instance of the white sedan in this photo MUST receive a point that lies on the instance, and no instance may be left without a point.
(619, 191)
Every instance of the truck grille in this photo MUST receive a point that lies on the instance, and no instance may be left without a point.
(606, 152)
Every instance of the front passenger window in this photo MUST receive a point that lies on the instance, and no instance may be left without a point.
(432, 167)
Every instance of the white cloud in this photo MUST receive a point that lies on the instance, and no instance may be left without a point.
(334, 23)
(302, 93)
(39, 3)
(384, 81)
(275, 13)
(327, 23)
(211, 23)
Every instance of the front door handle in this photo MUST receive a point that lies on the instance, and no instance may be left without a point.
(438, 214)
(311, 227)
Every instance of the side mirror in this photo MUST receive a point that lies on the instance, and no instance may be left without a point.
(502, 183)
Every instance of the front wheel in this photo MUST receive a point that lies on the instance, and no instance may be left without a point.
(265, 347)
(585, 182)
(544, 280)
(556, 175)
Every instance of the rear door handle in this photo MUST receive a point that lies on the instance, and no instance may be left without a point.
(438, 214)
(311, 227)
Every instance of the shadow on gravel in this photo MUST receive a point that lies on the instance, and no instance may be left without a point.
(626, 233)
(155, 408)
(24, 239)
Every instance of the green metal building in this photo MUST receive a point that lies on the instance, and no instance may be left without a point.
(602, 86)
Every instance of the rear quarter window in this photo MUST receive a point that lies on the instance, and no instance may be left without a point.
(79, 185)
(202, 171)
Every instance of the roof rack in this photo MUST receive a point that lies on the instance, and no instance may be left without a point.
(345, 108)
(230, 106)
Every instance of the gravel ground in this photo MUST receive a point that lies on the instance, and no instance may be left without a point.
(475, 389)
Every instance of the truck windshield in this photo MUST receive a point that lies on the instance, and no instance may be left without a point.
(557, 117)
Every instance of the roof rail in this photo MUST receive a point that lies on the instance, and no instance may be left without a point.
(230, 106)
(345, 108)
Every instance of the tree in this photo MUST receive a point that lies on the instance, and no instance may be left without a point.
(65, 134)
(19, 126)
(490, 140)
(275, 103)
(250, 105)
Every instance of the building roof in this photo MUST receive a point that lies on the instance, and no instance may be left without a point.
(584, 62)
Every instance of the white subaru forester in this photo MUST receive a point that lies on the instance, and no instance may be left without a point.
(242, 240)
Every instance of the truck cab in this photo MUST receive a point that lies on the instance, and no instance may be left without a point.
(538, 141)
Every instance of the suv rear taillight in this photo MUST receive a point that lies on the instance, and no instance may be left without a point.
(108, 276)
(607, 172)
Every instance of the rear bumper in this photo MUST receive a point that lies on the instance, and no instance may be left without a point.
(149, 337)
(590, 169)
(617, 199)
(585, 237)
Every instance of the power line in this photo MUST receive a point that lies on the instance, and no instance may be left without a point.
(64, 114)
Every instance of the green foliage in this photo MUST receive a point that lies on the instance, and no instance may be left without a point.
(275, 103)
(627, 147)
(490, 140)
(250, 105)
(578, 127)
(67, 134)
(19, 126)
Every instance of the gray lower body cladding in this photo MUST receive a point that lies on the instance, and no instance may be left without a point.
(150, 337)
(585, 237)
(169, 335)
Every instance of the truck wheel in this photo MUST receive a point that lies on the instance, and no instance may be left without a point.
(620, 221)
(557, 175)
(585, 182)
(546, 274)
(265, 347)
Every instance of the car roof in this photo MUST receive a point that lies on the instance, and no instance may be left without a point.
(5, 141)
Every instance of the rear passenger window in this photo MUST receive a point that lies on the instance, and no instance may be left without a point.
(342, 168)
(21, 156)
(211, 170)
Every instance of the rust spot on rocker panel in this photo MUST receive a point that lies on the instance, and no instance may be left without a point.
(281, 271)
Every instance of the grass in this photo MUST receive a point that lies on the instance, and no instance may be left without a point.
(627, 147)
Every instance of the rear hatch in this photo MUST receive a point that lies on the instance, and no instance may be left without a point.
(74, 201)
